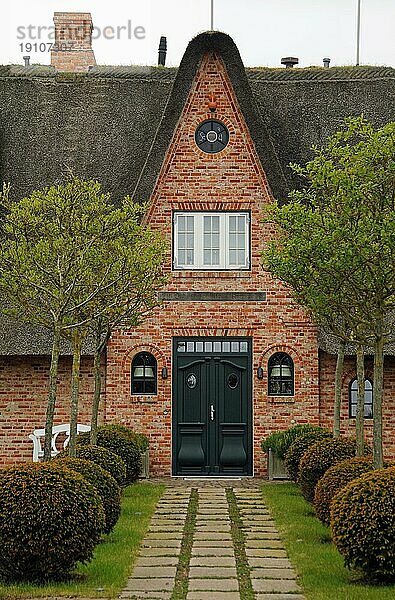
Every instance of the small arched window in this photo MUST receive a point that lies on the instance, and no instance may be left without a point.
(144, 374)
(353, 398)
(281, 375)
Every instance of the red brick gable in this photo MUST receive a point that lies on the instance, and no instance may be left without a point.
(232, 179)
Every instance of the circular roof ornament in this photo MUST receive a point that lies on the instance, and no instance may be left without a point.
(212, 136)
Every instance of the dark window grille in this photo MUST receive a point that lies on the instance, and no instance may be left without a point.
(353, 398)
(144, 374)
(281, 375)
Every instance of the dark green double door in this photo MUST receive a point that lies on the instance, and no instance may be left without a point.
(212, 416)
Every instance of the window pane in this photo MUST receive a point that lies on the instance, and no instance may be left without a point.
(243, 346)
(190, 346)
(217, 346)
(208, 346)
(225, 346)
(181, 346)
(199, 346)
(235, 346)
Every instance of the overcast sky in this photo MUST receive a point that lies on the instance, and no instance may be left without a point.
(264, 30)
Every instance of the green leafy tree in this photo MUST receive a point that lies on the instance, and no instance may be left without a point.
(66, 262)
(335, 244)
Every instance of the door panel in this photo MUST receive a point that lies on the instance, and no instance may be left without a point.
(212, 424)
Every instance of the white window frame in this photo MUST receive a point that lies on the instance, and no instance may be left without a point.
(198, 245)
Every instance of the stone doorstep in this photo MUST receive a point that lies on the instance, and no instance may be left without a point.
(212, 561)
(212, 572)
(275, 586)
(261, 573)
(212, 551)
(157, 561)
(163, 572)
(150, 585)
(214, 596)
(222, 585)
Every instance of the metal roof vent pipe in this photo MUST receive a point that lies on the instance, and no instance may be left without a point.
(289, 61)
(27, 61)
(162, 51)
(326, 62)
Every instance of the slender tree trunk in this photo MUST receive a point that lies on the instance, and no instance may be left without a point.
(378, 375)
(75, 389)
(98, 383)
(338, 389)
(359, 418)
(53, 375)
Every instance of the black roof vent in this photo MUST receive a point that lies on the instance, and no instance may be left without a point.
(162, 51)
(289, 61)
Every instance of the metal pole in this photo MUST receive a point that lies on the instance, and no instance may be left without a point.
(212, 15)
(358, 30)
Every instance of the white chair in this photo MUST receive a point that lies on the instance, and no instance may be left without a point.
(38, 437)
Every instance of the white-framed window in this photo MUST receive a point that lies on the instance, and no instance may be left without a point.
(211, 240)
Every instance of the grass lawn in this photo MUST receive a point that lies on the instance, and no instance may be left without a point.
(316, 560)
(107, 573)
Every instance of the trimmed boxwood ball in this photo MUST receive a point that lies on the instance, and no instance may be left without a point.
(299, 447)
(334, 479)
(363, 524)
(50, 519)
(103, 457)
(319, 457)
(108, 489)
(280, 441)
(122, 441)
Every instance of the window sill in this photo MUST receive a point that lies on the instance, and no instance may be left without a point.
(281, 399)
(210, 274)
(144, 399)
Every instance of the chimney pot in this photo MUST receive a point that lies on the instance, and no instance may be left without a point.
(326, 62)
(289, 61)
(27, 61)
(162, 51)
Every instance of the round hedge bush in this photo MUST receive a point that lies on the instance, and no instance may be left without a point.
(299, 447)
(108, 489)
(122, 441)
(334, 479)
(280, 441)
(318, 458)
(103, 457)
(363, 524)
(51, 518)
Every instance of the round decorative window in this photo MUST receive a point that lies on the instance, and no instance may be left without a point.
(233, 380)
(212, 136)
(191, 381)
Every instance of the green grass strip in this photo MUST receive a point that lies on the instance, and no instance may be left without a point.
(107, 573)
(319, 565)
(242, 567)
(181, 581)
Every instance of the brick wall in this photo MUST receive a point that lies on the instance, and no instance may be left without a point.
(230, 180)
(23, 401)
(347, 425)
(72, 50)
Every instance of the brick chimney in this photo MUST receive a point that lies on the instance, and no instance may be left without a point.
(72, 50)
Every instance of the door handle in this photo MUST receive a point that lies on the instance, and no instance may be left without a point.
(212, 412)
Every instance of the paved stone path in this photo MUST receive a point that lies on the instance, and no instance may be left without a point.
(213, 562)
